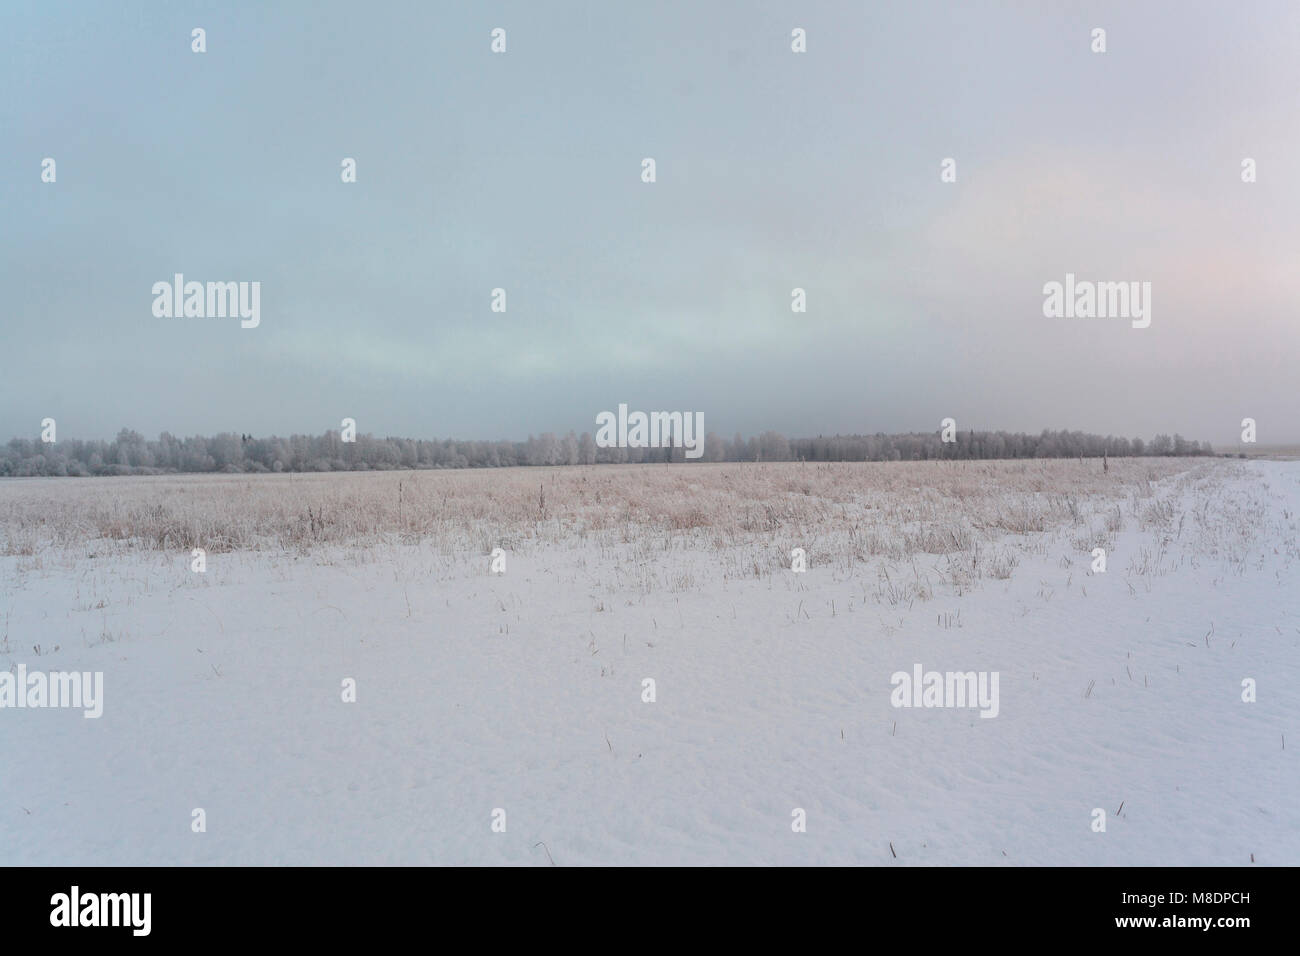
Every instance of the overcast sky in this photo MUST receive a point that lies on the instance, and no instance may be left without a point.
(775, 170)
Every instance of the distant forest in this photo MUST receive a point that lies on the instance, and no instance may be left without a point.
(132, 454)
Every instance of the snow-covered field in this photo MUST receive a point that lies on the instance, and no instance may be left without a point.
(523, 691)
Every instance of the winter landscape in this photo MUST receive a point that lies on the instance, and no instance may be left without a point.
(573, 433)
(508, 692)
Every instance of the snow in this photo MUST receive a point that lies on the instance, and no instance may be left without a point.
(523, 691)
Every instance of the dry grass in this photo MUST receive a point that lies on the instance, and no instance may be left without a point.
(841, 513)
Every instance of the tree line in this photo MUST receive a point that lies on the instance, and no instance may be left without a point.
(130, 453)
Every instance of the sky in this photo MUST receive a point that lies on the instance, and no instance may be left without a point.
(775, 170)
